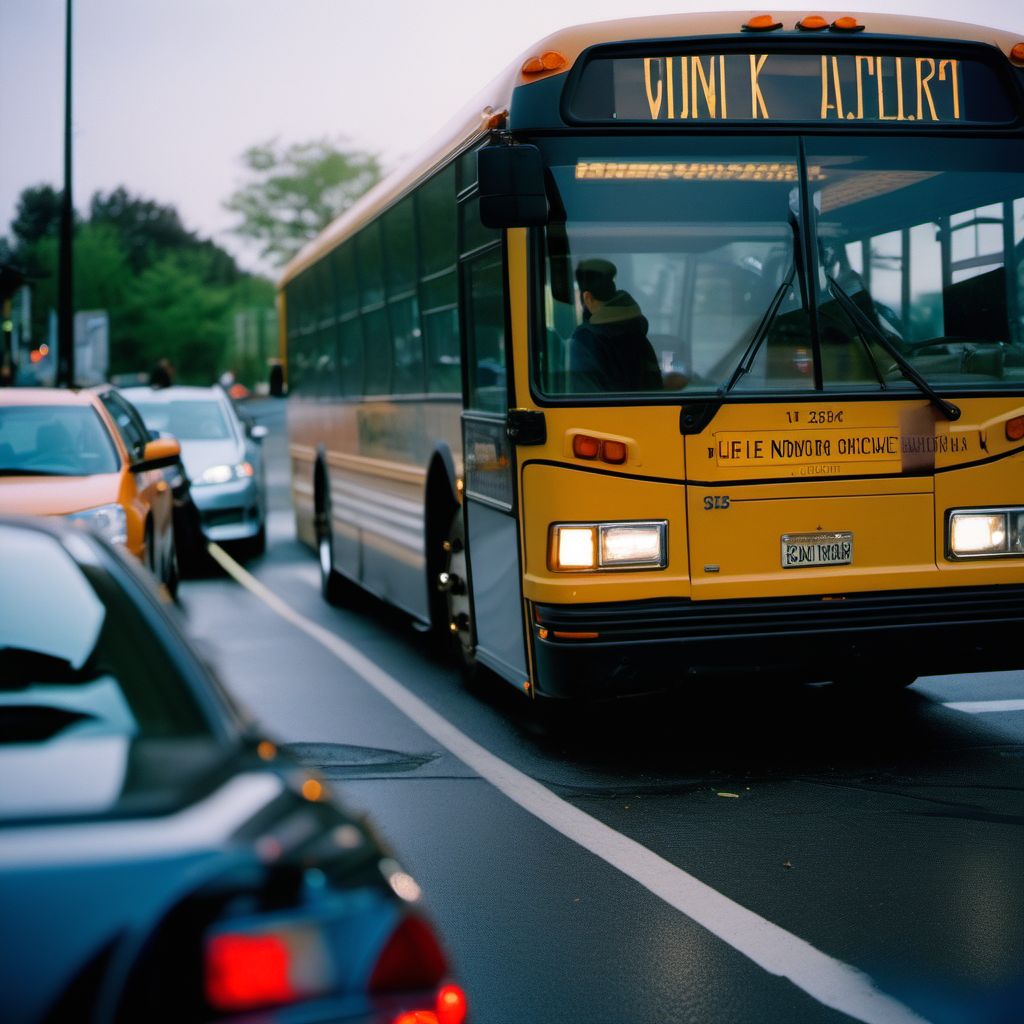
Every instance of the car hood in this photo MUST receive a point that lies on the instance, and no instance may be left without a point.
(57, 495)
(199, 456)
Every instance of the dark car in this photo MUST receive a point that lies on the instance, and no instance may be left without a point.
(159, 859)
(223, 457)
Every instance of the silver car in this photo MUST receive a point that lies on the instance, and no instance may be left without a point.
(222, 455)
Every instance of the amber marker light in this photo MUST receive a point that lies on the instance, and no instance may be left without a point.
(614, 452)
(550, 60)
(586, 447)
(762, 23)
(847, 23)
(812, 23)
(1017, 55)
(1015, 428)
(493, 118)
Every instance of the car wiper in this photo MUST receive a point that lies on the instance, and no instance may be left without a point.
(758, 338)
(18, 471)
(862, 321)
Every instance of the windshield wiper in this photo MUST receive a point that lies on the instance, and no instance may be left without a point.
(757, 340)
(19, 471)
(863, 322)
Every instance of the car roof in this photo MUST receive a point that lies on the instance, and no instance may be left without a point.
(171, 394)
(47, 396)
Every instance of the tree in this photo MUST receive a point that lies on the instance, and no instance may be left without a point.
(37, 215)
(168, 292)
(297, 191)
(147, 229)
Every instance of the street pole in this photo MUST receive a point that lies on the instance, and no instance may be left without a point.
(65, 297)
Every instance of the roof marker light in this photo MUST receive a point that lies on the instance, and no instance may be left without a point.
(762, 23)
(549, 60)
(812, 23)
(493, 118)
(847, 23)
(1016, 57)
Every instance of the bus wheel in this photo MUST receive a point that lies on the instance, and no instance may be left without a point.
(453, 583)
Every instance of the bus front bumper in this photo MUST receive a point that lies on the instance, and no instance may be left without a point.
(611, 650)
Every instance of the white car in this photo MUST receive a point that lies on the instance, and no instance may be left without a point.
(223, 458)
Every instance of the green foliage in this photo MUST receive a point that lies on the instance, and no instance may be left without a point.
(146, 228)
(168, 293)
(297, 191)
(37, 215)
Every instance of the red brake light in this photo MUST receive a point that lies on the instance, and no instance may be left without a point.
(410, 959)
(246, 971)
(451, 1005)
(451, 1009)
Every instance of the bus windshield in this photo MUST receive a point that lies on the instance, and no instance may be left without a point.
(680, 266)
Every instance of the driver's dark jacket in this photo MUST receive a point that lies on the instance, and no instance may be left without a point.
(610, 351)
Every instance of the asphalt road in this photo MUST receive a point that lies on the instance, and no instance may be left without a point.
(739, 855)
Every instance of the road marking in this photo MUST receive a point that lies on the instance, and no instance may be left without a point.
(831, 982)
(981, 707)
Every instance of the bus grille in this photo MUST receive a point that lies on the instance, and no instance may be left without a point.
(792, 616)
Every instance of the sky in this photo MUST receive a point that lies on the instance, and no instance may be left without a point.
(169, 93)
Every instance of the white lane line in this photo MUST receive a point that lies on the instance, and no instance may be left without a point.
(981, 707)
(829, 981)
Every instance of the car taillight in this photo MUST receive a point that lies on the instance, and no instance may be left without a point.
(451, 1009)
(243, 971)
(410, 959)
(246, 970)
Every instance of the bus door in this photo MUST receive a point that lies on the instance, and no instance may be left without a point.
(489, 467)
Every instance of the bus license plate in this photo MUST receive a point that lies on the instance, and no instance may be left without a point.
(800, 550)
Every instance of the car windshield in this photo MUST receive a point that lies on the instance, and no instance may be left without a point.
(83, 682)
(682, 265)
(54, 440)
(188, 419)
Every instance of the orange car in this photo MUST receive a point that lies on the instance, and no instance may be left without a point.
(86, 455)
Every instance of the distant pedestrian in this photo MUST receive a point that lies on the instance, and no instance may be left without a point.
(162, 375)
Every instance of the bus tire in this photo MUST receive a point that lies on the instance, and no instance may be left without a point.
(335, 588)
(453, 584)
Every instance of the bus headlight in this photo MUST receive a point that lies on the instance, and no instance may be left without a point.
(588, 547)
(984, 533)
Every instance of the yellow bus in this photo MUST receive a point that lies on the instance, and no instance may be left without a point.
(695, 346)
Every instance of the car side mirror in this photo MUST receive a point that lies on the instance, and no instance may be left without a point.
(257, 431)
(158, 454)
(511, 184)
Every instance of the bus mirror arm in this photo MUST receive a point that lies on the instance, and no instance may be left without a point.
(511, 184)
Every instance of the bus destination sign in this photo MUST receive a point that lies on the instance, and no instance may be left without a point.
(847, 88)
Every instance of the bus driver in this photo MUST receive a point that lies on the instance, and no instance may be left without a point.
(610, 351)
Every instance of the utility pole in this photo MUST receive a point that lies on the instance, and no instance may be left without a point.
(65, 296)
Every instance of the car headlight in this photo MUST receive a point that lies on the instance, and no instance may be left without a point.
(109, 521)
(984, 533)
(588, 547)
(222, 474)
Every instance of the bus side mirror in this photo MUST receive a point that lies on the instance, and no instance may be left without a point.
(511, 182)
